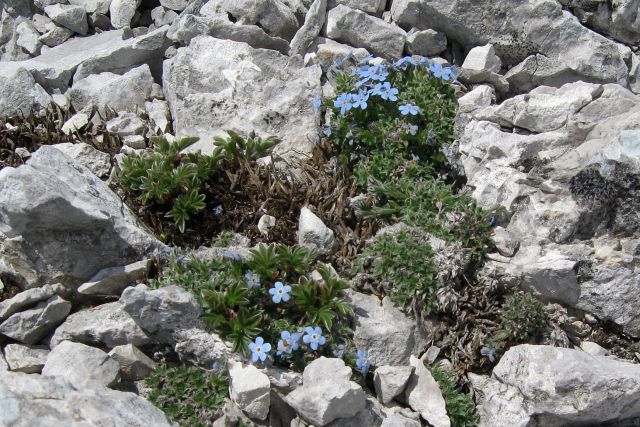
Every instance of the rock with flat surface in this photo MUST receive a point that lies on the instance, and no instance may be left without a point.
(64, 224)
(426, 43)
(30, 399)
(96, 161)
(69, 16)
(122, 12)
(126, 124)
(159, 114)
(126, 92)
(482, 58)
(388, 334)
(314, 234)
(55, 35)
(326, 393)
(93, 6)
(24, 358)
(555, 386)
(518, 30)
(359, 29)
(374, 7)
(134, 364)
(424, 396)
(28, 298)
(248, 89)
(250, 390)
(312, 26)
(28, 37)
(105, 325)
(390, 381)
(113, 280)
(618, 19)
(81, 365)
(19, 93)
(32, 325)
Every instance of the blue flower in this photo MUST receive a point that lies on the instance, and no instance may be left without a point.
(313, 337)
(253, 280)
(388, 93)
(280, 292)
(343, 102)
(373, 72)
(234, 256)
(338, 351)
(437, 70)
(450, 74)
(489, 352)
(362, 362)
(259, 349)
(317, 103)
(493, 221)
(326, 130)
(412, 129)
(288, 343)
(376, 89)
(409, 109)
(402, 63)
(217, 210)
(360, 100)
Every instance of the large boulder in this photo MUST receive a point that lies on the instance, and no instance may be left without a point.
(30, 326)
(29, 400)
(213, 85)
(250, 389)
(19, 92)
(618, 19)
(570, 182)
(82, 365)
(521, 29)
(551, 386)
(63, 224)
(83, 56)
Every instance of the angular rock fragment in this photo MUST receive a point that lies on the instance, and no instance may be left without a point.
(30, 326)
(81, 365)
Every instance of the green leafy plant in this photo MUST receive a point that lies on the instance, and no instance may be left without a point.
(167, 177)
(241, 303)
(189, 396)
(460, 407)
(522, 317)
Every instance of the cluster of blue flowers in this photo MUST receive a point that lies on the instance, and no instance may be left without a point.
(279, 292)
(288, 343)
(363, 363)
(373, 83)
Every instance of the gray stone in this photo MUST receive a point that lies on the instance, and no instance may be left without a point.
(18, 91)
(81, 365)
(162, 16)
(313, 23)
(75, 123)
(55, 36)
(330, 51)
(159, 115)
(520, 30)
(617, 19)
(249, 90)
(274, 16)
(424, 396)
(390, 381)
(314, 234)
(136, 142)
(389, 335)
(178, 5)
(69, 16)
(113, 280)
(29, 298)
(126, 124)
(374, 7)
(542, 384)
(105, 325)
(134, 364)
(64, 224)
(483, 58)
(126, 92)
(31, 400)
(362, 30)
(32, 325)
(162, 312)
(122, 12)
(190, 26)
(4, 366)
(371, 415)
(426, 43)
(200, 346)
(96, 161)
(326, 393)
(93, 6)
(505, 241)
(16, 7)
(397, 420)
(593, 348)
(27, 359)
(28, 37)
(250, 390)
(41, 22)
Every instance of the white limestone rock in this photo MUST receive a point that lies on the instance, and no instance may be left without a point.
(113, 280)
(55, 35)
(32, 325)
(28, 298)
(314, 234)
(19, 93)
(126, 124)
(28, 38)
(96, 161)
(359, 29)
(250, 389)
(105, 325)
(81, 365)
(134, 364)
(27, 359)
(390, 381)
(426, 42)
(122, 12)
(72, 17)
(557, 386)
(424, 396)
(373, 7)
(313, 23)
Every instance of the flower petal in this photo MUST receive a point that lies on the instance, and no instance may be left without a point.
(266, 348)
(259, 341)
